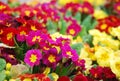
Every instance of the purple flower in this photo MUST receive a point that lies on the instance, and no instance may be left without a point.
(35, 37)
(80, 63)
(32, 57)
(68, 52)
(51, 58)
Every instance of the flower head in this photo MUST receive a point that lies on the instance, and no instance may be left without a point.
(68, 52)
(73, 29)
(51, 57)
(32, 57)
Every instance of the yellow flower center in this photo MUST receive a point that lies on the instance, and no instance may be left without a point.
(103, 26)
(27, 79)
(51, 58)
(117, 65)
(22, 33)
(33, 58)
(69, 53)
(27, 12)
(85, 9)
(2, 7)
(1, 31)
(9, 36)
(72, 31)
(36, 38)
(118, 8)
(104, 56)
(33, 28)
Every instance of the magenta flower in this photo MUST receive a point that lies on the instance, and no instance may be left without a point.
(51, 58)
(73, 29)
(32, 57)
(117, 7)
(68, 52)
(35, 37)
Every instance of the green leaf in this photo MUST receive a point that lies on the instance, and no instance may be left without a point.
(2, 64)
(78, 17)
(83, 32)
(88, 39)
(63, 26)
(77, 47)
(68, 13)
(2, 75)
(51, 26)
(87, 22)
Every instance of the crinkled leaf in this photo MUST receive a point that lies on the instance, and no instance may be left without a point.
(83, 32)
(63, 26)
(78, 17)
(77, 47)
(87, 22)
(2, 75)
(2, 64)
(88, 39)
(68, 13)
(51, 26)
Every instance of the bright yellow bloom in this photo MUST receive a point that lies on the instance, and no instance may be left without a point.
(115, 32)
(96, 2)
(99, 14)
(8, 66)
(27, 79)
(103, 39)
(63, 2)
(57, 35)
(115, 66)
(47, 70)
(12, 80)
(103, 56)
(55, 76)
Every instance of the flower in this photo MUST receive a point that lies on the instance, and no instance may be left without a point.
(80, 77)
(117, 7)
(35, 37)
(103, 56)
(7, 36)
(51, 57)
(68, 52)
(99, 14)
(32, 57)
(63, 78)
(73, 29)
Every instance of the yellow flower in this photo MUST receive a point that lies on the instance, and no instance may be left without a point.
(63, 2)
(57, 35)
(103, 39)
(103, 56)
(12, 80)
(55, 76)
(47, 70)
(77, 40)
(7, 72)
(115, 66)
(27, 79)
(99, 14)
(8, 66)
(96, 2)
(115, 32)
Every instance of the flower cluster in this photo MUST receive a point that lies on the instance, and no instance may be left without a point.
(60, 40)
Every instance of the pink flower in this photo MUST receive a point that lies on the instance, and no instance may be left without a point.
(73, 29)
(32, 57)
(117, 7)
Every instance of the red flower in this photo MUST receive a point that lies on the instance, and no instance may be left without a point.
(80, 77)
(8, 35)
(108, 73)
(63, 78)
(73, 29)
(88, 8)
(4, 8)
